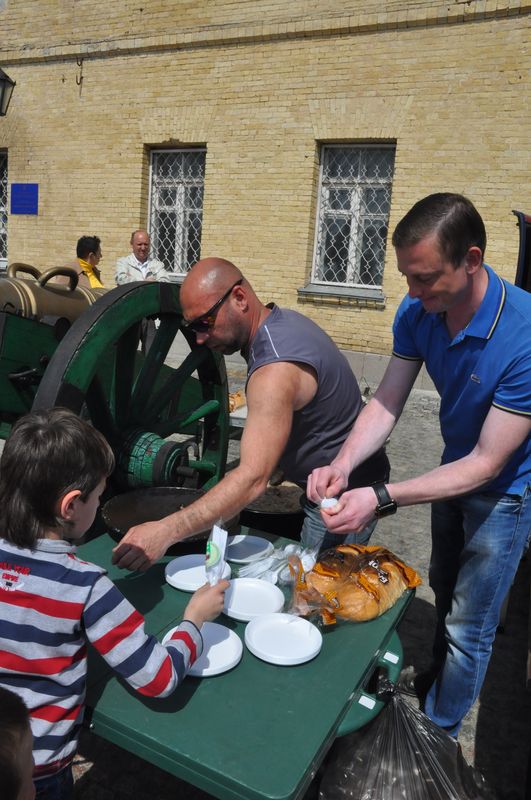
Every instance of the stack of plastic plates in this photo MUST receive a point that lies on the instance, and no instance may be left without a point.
(242, 548)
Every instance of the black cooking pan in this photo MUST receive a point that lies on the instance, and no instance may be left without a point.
(145, 505)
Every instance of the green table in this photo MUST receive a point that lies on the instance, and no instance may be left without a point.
(259, 731)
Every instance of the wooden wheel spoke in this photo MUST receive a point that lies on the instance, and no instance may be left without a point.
(169, 391)
(190, 418)
(149, 377)
(100, 411)
(125, 361)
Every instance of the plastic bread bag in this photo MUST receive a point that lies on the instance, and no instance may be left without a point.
(354, 582)
(306, 601)
(215, 554)
(400, 755)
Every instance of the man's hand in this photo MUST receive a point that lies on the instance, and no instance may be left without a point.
(353, 511)
(326, 482)
(143, 545)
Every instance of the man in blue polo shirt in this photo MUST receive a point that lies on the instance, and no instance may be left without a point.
(473, 332)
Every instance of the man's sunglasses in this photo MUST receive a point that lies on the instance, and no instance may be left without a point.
(205, 321)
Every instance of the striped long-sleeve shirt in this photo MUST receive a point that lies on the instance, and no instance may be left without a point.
(51, 604)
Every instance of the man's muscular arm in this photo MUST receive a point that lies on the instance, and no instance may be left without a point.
(273, 392)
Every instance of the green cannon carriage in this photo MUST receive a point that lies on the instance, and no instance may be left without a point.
(62, 345)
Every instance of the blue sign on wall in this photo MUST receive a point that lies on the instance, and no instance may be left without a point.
(24, 198)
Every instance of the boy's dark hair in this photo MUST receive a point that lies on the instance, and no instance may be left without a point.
(14, 723)
(87, 245)
(47, 454)
(452, 217)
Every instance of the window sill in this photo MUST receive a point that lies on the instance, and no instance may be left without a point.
(355, 295)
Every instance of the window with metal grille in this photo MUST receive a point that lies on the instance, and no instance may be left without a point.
(176, 207)
(3, 210)
(353, 215)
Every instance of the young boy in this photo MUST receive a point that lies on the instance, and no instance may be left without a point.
(16, 741)
(52, 474)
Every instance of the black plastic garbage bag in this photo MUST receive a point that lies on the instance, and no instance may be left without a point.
(401, 755)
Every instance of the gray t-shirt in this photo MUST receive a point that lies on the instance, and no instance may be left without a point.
(320, 428)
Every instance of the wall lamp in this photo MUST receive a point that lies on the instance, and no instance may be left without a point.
(6, 90)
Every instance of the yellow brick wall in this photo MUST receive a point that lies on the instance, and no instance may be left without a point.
(261, 84)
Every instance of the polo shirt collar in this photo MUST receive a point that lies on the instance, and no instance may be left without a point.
(483, 323)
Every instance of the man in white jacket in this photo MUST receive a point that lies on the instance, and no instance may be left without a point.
(138, 266)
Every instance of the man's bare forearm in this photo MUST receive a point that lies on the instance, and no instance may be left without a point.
(223, 501)
(369, 434)
(376, 421)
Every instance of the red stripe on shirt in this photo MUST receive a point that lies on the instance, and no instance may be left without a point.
(44, 605)
(189, 642)
(113, 637)
(40, 666)
(56, 713)
(50, 769)
(161, 680)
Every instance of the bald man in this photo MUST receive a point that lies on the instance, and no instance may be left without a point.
(302, 400)
(138, 266)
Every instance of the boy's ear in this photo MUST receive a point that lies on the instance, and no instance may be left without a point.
(67, 504)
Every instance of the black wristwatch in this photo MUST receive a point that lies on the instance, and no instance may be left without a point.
(385, 505)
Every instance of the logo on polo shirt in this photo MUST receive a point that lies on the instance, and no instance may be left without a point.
(10, 576)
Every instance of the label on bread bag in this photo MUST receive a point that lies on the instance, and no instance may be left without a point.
(383, 576)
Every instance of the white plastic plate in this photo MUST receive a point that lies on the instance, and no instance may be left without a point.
(188, 572)
(248, 597)
(283, 639)
(222, 650)
(242, 548)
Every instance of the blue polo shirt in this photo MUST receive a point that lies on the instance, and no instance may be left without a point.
(486, 364)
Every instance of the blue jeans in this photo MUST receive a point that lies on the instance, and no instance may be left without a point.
(477, 543)
(315, 535)
(56, 787)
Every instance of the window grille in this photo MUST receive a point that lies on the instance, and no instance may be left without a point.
(176, 207)
(353, 215)
(3, 210)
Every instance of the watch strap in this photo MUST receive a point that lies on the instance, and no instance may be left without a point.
(382, 495)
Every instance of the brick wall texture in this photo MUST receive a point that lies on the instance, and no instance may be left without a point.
(261, 84)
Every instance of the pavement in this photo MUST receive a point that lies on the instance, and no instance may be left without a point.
(496, 735)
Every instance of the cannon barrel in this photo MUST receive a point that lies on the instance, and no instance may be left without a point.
(37, 297)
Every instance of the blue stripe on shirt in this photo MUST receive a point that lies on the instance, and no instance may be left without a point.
(52, 687)
(32, 634)
(104, 605)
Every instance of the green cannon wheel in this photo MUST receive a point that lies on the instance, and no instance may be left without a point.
(167, 422)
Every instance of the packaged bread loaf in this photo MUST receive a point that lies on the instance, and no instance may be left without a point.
(354, 582)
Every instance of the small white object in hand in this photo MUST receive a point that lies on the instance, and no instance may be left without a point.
(328, 502)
